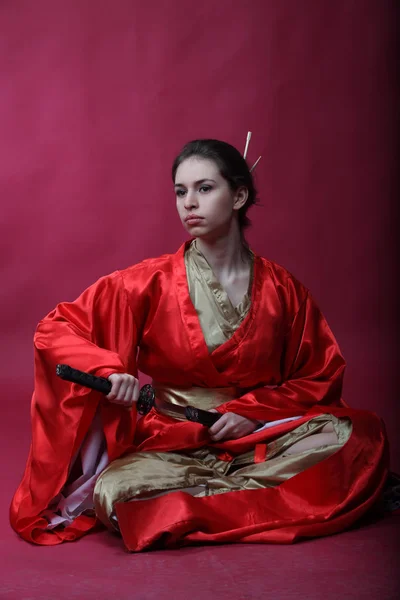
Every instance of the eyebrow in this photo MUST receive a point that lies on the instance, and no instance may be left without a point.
(195, 183)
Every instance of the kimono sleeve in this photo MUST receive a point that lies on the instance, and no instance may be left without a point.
(312, 372)
(96, 333)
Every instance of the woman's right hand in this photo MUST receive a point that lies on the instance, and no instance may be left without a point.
(124, 390)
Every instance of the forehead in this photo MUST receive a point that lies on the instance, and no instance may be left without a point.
(194, 169)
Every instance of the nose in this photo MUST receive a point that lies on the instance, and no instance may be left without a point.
(191, 200)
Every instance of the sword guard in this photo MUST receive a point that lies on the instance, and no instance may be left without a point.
(146, 399)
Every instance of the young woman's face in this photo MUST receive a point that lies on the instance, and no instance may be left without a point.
(205, 202)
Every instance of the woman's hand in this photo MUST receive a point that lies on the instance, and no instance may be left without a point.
(124, 390)
(231, 427)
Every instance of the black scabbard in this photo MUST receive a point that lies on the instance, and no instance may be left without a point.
(197, 415)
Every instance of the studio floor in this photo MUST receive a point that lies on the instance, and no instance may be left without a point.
(361, 563)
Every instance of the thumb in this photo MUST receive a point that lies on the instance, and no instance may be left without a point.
(136, 390)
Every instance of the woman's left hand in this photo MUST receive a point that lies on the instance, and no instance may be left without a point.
(231, 427)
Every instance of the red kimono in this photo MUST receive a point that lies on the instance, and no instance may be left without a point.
(283, 352)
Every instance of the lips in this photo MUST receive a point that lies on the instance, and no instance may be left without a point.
(193, 218)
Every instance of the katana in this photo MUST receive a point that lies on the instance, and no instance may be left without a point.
(146, 400)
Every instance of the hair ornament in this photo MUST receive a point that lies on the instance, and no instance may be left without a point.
(255, 164)
(248, 138)
(247, 144)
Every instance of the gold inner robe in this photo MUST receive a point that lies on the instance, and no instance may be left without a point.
(146, 474)
(218, 318)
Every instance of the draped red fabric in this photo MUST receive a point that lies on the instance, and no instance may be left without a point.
(322, 500)
(283, 358)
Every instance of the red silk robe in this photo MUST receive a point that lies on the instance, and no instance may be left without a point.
(283, 355)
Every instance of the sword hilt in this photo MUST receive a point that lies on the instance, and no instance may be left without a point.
(100, 384)
(103, 385)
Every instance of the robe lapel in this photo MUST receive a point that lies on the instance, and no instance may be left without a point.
(209, 365)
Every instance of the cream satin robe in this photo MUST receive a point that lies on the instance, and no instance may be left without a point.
(145, 474)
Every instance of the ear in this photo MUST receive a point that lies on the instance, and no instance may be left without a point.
(240, 197)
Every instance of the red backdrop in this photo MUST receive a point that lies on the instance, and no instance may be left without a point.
(97, 97)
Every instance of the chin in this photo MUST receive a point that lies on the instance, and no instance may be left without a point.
(207, 236)
(196, 230)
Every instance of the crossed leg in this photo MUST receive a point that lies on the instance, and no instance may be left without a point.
(146, 475)
(326, 437)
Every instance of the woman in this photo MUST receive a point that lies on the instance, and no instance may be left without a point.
(219, 328)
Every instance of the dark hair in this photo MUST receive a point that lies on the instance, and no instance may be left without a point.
(232, 166)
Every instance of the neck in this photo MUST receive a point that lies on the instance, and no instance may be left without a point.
(225, 254)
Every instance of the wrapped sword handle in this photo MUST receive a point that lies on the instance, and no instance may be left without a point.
(100, 384)
(103, 385)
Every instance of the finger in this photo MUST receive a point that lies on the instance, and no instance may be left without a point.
(132, 393)
(115, 387)
(121, 392)
(125, 401)
(128, 395)
(221, 435)
(132, 390)
(136, 390)
(218, 425)
(129, 398)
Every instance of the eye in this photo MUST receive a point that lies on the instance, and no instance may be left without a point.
(180, 193)
(206, 188)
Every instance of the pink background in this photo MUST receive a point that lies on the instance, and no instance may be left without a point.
(96, 98)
